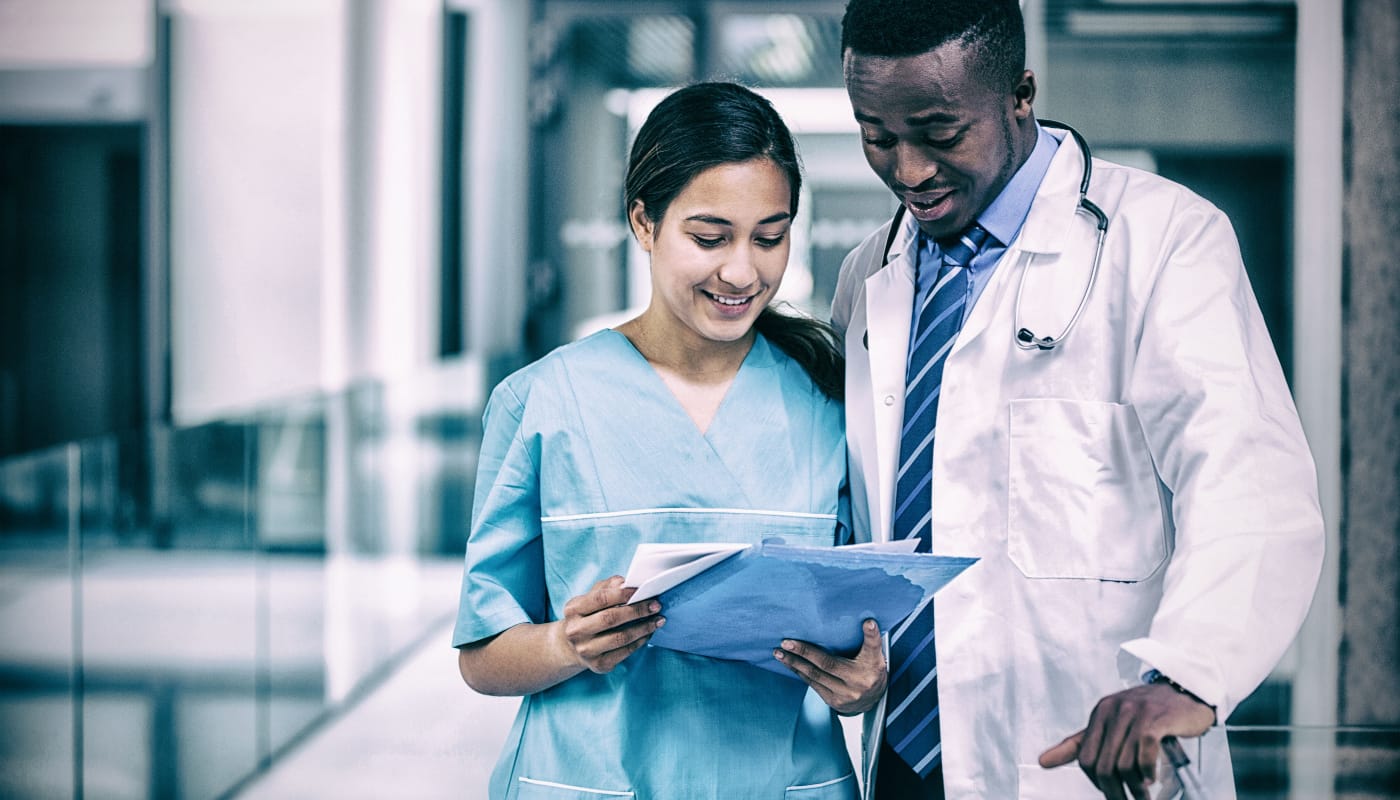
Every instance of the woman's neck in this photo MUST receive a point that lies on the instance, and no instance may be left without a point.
(683, 353)
(698, 372)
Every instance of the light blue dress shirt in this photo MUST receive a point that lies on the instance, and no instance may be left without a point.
(1002, 219)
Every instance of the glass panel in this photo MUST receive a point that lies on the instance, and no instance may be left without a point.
(291, 524)
(169, 613)
(1273, 763)
(387, 579)
(37, 650)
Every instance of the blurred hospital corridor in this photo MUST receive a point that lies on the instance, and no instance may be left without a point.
(263, 261)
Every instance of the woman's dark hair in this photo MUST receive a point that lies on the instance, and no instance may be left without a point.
(706, 125)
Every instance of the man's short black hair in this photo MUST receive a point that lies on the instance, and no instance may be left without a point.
(993, 29)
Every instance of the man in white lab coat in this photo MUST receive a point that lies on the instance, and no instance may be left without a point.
(1114, 439)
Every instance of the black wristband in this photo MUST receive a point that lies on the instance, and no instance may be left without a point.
(1156, 676)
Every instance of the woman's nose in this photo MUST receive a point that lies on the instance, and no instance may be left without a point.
(739, 270)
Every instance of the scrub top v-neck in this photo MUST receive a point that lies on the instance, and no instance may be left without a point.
(586, 454)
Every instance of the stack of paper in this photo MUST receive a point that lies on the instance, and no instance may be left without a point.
(739, 602)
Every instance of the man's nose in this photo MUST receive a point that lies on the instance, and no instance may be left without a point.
(912, 169)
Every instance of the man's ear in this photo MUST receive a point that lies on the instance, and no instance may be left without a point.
(642, 226)
(1023, 95)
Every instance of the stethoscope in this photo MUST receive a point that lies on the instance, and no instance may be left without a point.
(1024, 338)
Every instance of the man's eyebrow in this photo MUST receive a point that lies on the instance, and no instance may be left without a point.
(931, 118)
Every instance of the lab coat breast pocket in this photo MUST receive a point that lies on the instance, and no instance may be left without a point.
(1083, 499)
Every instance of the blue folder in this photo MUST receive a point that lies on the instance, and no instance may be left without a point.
(743, 607)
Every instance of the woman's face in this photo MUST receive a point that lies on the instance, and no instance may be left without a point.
(719, 252)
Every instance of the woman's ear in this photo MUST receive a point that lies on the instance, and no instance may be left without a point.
(642, 226)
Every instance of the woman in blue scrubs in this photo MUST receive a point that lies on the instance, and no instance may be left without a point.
(710, 417)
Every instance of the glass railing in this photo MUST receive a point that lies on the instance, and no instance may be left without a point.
(180, 605)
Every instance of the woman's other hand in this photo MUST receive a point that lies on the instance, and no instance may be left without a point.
(848, 685)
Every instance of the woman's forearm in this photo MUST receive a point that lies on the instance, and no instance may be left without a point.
(522, 660)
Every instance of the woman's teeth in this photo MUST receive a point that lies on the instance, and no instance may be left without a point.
(728, 301)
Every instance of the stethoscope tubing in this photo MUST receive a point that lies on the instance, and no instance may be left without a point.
(1023, 337)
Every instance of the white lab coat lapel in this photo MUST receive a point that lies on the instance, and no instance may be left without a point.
(1044, 233)
(1055, 249)
(889, 302)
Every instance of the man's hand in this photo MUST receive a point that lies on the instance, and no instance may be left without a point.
(848, 685)
(1123, 740)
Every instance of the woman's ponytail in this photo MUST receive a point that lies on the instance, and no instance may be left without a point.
(809, 342)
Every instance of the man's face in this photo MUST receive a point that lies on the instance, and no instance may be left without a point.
(937, 134)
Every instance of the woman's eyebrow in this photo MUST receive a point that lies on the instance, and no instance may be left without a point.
(713, 220)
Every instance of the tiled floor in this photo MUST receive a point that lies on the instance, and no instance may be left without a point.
(420, 734)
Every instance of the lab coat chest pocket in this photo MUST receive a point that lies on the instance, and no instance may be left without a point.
(1083, 500)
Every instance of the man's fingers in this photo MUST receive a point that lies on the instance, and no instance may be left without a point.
(1149, 751)
(1092, 743)
(1129, 769)
(1063, 753)
(1116, 759)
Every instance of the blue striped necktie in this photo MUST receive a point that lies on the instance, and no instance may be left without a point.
(911, 710)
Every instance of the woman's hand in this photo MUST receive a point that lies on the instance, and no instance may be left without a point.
(848, 685)
(599, 630)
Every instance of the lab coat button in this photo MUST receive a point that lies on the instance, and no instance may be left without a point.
(889, 399)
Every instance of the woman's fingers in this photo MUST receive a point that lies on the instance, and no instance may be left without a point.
(602, 629)
(606, 593)
(848, 685)
(618, 645)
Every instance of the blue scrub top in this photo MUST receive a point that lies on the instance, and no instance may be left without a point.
(586, 454)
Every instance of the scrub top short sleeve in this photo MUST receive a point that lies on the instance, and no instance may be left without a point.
(503, 584)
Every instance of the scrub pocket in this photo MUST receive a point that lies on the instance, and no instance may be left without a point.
(839, 789)
(531, 789)
(1083, 496)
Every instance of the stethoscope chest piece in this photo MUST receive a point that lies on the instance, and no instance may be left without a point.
(1028, 340)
